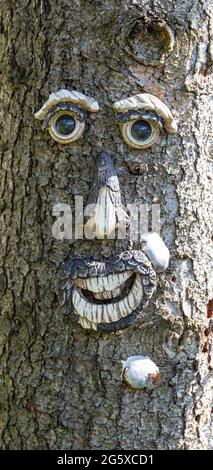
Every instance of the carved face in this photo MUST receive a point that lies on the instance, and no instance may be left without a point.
(108, 294)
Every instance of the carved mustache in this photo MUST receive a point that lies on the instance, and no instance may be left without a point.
(132, 260)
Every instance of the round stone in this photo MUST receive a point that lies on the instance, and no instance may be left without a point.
(141, 130)
(65, 124)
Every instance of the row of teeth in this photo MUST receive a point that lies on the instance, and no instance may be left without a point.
(104, 283)
(91, 314)
(108, 294)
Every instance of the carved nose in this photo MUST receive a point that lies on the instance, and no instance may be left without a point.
(105, 198)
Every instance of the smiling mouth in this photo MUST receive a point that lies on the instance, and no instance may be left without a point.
(108, 295)
(106, 299)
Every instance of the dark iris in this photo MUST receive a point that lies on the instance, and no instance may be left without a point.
(65, 124)
(141, 130)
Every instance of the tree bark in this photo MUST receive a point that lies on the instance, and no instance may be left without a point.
(61, 384)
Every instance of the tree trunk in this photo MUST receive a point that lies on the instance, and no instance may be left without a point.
(61, 384)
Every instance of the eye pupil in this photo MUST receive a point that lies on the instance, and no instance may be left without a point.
(141, 130)
(65, 124)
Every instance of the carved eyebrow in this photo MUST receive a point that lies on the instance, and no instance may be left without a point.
(77, 112)
(138, 114)
(66, 96)
(147, 102)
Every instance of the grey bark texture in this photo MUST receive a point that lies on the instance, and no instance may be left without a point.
(60, 385)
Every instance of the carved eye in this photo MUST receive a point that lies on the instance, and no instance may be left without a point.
(140, 133)
(65, 128)
(65, 113)
(141, 117)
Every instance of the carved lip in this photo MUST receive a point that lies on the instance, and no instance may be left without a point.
(107, 295)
